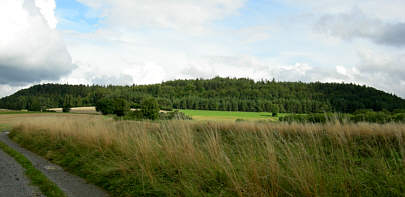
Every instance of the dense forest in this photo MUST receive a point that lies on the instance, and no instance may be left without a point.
(226, 94)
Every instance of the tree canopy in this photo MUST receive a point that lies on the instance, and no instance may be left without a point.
(225, 94)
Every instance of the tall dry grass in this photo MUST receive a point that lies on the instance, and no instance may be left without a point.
(186, 158)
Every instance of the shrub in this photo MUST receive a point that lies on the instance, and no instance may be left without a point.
(66, 109)
(105, 106)
(67, 103)
(121, 107)
(117, 106)
(150, 108)
(175, 115)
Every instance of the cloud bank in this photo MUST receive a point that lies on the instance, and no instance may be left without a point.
(31, 49)
(356, 24)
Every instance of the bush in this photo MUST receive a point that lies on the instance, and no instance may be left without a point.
(115, 106)
(371, 116)
(315, 118)
(105, 106)
(150, 108)
(399, 117)
(67, 103)
(121, 107)
(175, 115)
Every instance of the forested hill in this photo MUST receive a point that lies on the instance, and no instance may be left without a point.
(228, 94)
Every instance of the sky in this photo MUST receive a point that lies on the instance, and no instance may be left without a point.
(124, 42)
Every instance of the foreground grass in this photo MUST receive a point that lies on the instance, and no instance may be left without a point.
(4, 127)
(228, 115)
(187, 158)
(47, 187)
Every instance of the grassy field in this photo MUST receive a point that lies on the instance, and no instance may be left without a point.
(228, 115)
(198, 114)
(17, 112)
(10, 120)
(194, 158)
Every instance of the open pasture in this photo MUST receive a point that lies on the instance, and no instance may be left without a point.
(228, 115)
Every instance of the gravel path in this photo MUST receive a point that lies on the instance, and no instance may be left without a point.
(13, 182)
(72, 185)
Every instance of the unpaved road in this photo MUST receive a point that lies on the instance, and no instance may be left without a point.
(14, 183)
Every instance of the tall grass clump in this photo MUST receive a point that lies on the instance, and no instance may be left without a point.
(187, 158)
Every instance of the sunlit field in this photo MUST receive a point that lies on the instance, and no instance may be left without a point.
(228, 115)
(193, 158)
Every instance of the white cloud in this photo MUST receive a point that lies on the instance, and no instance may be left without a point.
(355, 24)
(190, 15)
(387, 10)
(150, 41)
(47, 9)
(6, 90)
(30, 51)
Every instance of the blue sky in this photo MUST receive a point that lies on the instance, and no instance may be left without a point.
(76, 16)
(142, 41)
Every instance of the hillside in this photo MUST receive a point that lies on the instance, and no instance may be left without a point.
(227, 94)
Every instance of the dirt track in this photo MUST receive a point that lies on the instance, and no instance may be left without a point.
(14, 183)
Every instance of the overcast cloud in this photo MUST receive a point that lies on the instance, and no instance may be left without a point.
(30, 50)
(356, 24)
(141, 41)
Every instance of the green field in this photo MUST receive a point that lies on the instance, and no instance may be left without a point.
(229, 115)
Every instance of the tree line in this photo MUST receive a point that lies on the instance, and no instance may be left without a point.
(225, 94)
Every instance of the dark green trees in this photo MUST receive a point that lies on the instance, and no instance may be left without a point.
(274, 110)
(121, 107)
(67, 103)
(105, 106)
(33, 104)
(225, 94)
(150, 108)
(117, 106)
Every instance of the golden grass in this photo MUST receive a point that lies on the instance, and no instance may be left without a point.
(189, 158)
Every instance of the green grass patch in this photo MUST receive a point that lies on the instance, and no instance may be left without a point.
(229, 115)
(47, 187)
(4, 127)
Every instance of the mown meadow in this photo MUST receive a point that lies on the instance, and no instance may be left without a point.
(192, 158)
(229, 115)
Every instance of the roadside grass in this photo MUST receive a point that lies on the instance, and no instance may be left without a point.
(5, 127)
(229, 115)
(47, 187)
(193, 158)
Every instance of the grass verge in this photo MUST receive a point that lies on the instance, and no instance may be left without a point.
(187, 158)
(47, 187)
(4, 127)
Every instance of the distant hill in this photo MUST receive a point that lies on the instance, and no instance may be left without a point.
(227, 94)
